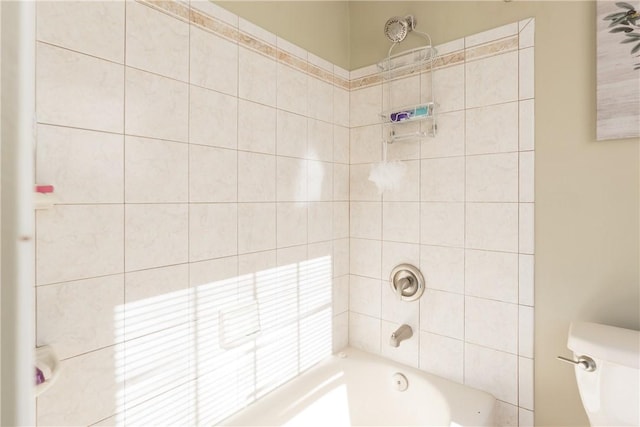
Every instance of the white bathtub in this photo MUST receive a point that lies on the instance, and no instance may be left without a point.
(356, 388)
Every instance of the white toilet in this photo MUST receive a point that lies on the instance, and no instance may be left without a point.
(609, 383)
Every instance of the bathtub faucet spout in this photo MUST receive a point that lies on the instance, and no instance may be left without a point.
(404, 332)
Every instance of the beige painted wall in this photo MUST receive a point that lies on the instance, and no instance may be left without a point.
(321, 27)
(587, 192)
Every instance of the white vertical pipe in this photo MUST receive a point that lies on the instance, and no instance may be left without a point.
(17, 219)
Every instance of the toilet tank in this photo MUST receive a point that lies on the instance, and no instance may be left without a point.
(611, 393)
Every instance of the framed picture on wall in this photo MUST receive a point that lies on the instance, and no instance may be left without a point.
(618, 69)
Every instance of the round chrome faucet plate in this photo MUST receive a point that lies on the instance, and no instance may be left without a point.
(412, 290)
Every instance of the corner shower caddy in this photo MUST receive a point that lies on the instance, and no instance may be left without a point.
(397, 117)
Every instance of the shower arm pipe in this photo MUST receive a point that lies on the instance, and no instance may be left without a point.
(17, 221)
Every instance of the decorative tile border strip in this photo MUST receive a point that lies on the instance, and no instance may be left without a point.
(454, 58)
(184, 12)
(213, 25)
(494, 48)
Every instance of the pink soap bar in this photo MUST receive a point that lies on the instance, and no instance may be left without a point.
(44, 188)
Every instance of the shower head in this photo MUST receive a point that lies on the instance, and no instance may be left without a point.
(397, 28)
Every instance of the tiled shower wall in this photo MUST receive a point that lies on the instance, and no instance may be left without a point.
(200, 164)
(463, 214)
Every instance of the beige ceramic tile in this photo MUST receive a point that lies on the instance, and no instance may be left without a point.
(526, 176)
(95, 379)
(341, 144)
(340, 106)
(366, 220)
(321, 215)
(157, 42)
(526, 228)
(156, 299)
(401, 221)
(320, 99)
(492, 178)
(366, 105)
(364, 144)
(447, 89)
(79, 241)
(526, 70)
(78, 90)
(525, 331)
(492, 129)
(257, 180)
(442, 356)
(492, 275)
(492, 80)
(526, 279)
(155, 235)
(341, 257)
(319, 181)
(340, 220)
(213, 230)
(83, 166)
(364, 332)
(442, 180)
(340, 182)
(72, 320)
(365, 257)
(442, 313)
(442, 224)
(292, 89)
(172, 407)
(527, 33)
(256, 77)
(401, 92)
(94, 28)
(525, 418)
(291, 228)
(492, 226)
(213, 118)
(450, 139)
(492, 324)
(256, 227)
(155, 364)
(526, 128)
(361, 189)
(443, 268)
(340, 336)
(320, 140)
(256, 127)
(291, 139)
(407, 190)
(155, 171)
(525, 383)
(493, 371)
(212, 174)
(291, 179)
(156, 107)
(213, 62)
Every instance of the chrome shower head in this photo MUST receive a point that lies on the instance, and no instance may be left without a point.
(397, 28)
